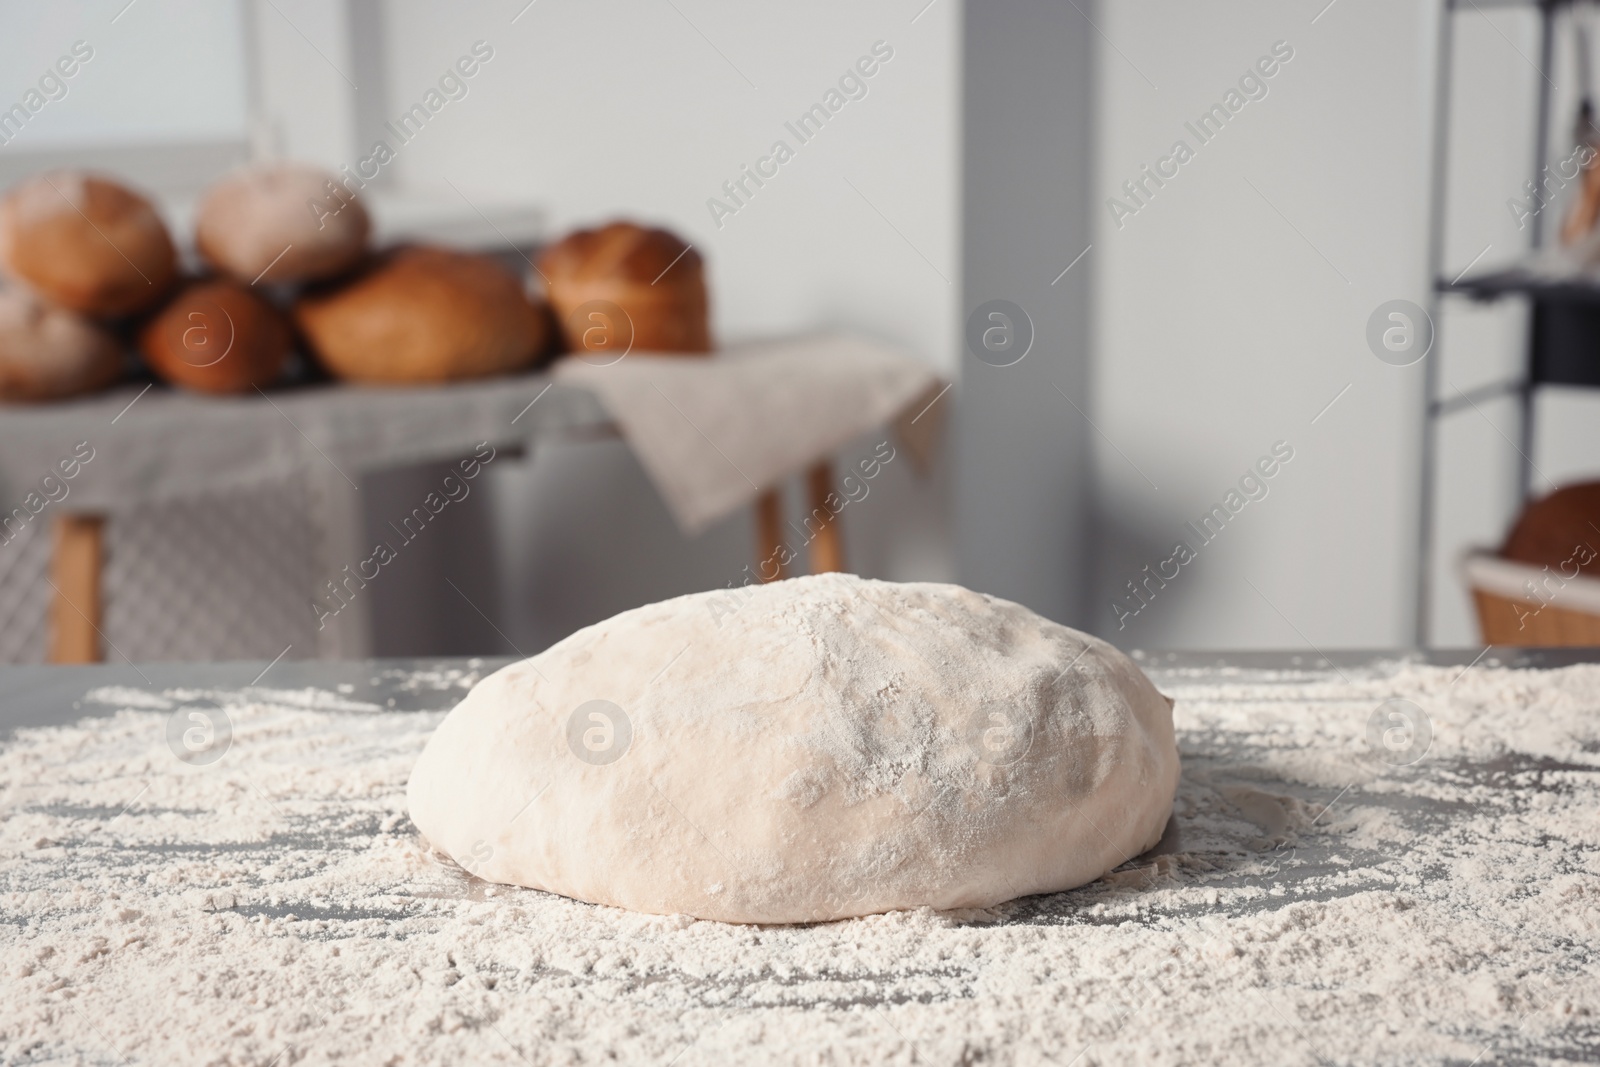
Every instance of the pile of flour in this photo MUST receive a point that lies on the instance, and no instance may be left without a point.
(1310, 901)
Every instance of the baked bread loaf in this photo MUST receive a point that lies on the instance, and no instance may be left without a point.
(656, 280)
(86, 243)
(48, 353)
(217, 337)
(1558, 530)
(288, 221)
(424, 314)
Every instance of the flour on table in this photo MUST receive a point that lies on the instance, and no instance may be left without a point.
(1310, 902)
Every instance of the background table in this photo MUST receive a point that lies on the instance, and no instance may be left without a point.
(144, 446)
(154, 445)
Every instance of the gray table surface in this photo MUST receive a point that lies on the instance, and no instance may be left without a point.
(45, 695)
(40, 696)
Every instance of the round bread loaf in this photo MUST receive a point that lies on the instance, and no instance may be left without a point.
(281, 222)
(48, 353)
(217, 337)
(654, 279)
(86, 243)
(1559, 529)
(424, 314)
(810, 749)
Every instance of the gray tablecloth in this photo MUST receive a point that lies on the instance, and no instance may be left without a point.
(712, 432)
(166, 444)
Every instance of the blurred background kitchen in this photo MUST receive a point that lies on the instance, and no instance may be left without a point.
(1197, 326)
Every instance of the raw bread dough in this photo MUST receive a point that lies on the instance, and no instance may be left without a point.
(812, 749)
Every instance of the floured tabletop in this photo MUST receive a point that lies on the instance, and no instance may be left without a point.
(1377, 859)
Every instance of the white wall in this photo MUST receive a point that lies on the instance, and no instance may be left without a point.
(160, 70)
(623, 108)
(1231, 309)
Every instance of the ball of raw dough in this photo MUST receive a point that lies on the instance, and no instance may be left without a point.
(807, 750)
(425, 315)
(294, 222)
(86, 243)
(217, 337)
(47, 353)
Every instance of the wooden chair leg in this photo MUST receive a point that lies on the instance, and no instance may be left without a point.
(769, 535)
(75, 567)
(827, 547)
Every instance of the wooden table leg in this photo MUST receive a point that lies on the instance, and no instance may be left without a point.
(827, 548)
(769, 536)
(75, 569)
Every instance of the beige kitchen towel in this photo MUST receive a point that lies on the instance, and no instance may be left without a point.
(714, 432)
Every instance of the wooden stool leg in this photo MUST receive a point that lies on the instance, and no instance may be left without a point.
(827, 548)
(769, 535)
(75, 570)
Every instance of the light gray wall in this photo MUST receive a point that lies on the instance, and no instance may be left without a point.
(1231, 310)
(1022, 507)
(167, 73)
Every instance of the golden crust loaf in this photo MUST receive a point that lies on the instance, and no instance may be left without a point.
(90, 244)
(424, 314)
(651, 275)
(217, 337)
(48, 353)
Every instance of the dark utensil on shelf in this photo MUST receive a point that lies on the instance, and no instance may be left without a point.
(1585, 210)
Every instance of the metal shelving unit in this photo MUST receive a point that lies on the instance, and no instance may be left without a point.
(1563, 339)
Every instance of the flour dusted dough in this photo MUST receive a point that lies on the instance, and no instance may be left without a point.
(812, 749)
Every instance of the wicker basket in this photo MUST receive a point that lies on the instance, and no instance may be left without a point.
(1520, 604)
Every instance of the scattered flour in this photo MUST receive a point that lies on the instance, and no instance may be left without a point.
(1309, 903)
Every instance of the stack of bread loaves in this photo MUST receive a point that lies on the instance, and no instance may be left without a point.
(91, 265)
(220, 334)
